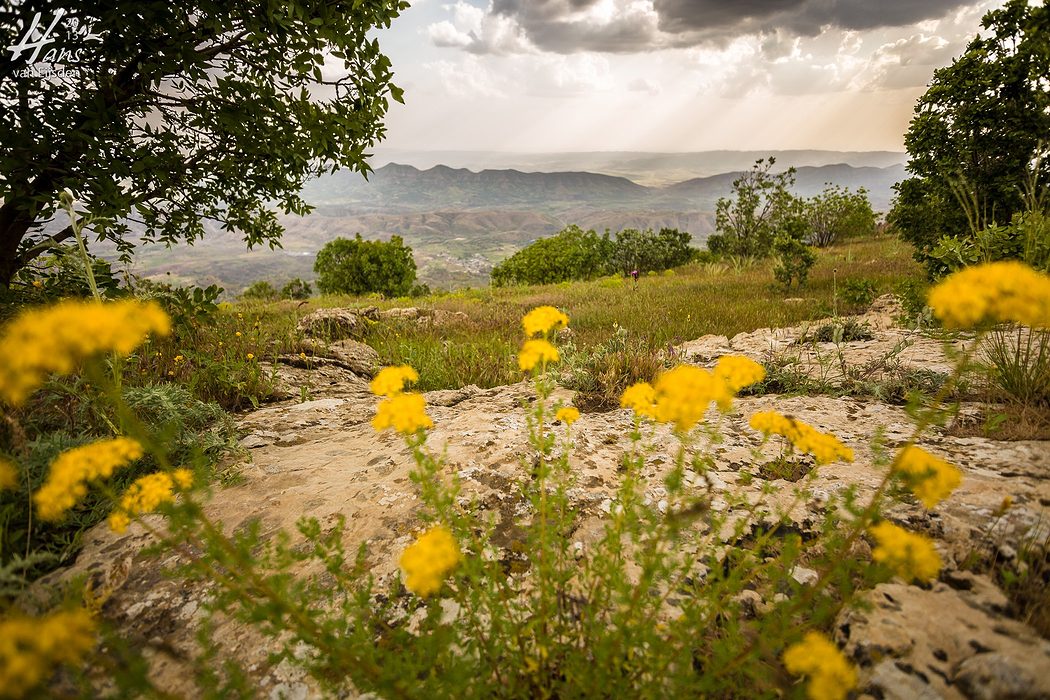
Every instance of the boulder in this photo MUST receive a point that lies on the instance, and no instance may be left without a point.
(332, 324)
(357, 357)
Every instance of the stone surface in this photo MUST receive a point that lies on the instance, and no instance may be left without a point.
(945, 643)
(350, 354)
(332, 324)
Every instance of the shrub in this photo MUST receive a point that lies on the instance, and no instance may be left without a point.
(296, 289)
(836, 213)
(570, 254)
(601, 374)
(793, 257)
(858, 293)
(357, 267)
(260, 291)
(646, 251)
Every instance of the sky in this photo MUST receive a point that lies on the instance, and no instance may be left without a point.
(536, 76)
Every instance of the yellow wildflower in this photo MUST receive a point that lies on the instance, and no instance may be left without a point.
(391, 380)
(542, 320)
(251, 356)
(640, 398)
(427, 561)
(179, 358)
(405, 413)
(993, 292)
(237, 334)
(567, 415)
(56, 339)
(738, 371)
(302, 356)
(824, 447)
(831, 675)
(930, 478)
(536, 352)
(8, 474)
(38, 284)
(911, 556)
(31, 647)
(146, 493)
(73, 469)
(684, 393)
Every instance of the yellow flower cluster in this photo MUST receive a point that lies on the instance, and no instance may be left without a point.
(8, 475)
(824, 447)
(391, 380)
(536, 353)
(994, 292)
(57, 338)
(405, 413)
(543, 320)
(146, 493)
(31, 647)
(911, 556)
(73, 469)
(684, 393)
(567, 415)
(640, 398)
(831, 675)
(427, 561)
(738, 371)
(930, 478)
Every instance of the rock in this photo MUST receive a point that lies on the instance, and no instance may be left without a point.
(405, 314)
(994, 675)
(751, 603)
(370, 312)
(332, 324)
(451, 397)
(936, 639)
(357, 357)
(804, 576)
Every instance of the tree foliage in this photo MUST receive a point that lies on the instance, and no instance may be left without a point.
(570, 254)
(575, 254)
(296, 289)
(161, 116)
(356, 266)
(977, 131)
(837, 213)
(646, 251)
(260, 291)
(748, 222)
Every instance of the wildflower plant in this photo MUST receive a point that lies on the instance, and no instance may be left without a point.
(696, 594)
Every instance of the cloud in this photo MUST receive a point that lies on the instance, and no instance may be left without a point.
(633, 26)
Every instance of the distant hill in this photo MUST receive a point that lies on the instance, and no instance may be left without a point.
(653, 169)
(405, 188)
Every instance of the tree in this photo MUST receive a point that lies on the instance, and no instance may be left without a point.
(836, 213)
(570, 254)
(645, 251)
(357, 266)
(260, 291)
(747, 223)
(296, 289)
(793, 256)
(977, 130)
(161, 116)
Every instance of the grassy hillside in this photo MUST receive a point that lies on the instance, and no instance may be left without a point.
(662, 310)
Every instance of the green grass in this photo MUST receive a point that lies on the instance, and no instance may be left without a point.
(661, 311)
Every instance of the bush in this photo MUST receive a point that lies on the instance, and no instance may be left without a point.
(836, 213)
(260, 291)
(359, 267)
(646, 251)
(570, 254)
(601, 374)
(296, 289)
(858, 293)
(793, 257)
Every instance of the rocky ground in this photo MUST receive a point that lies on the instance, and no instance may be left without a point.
(321, 458)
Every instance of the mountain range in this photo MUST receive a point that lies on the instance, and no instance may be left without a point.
(398, 188)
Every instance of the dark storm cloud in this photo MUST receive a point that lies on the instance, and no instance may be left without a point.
(554, 25)
(804, 17)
